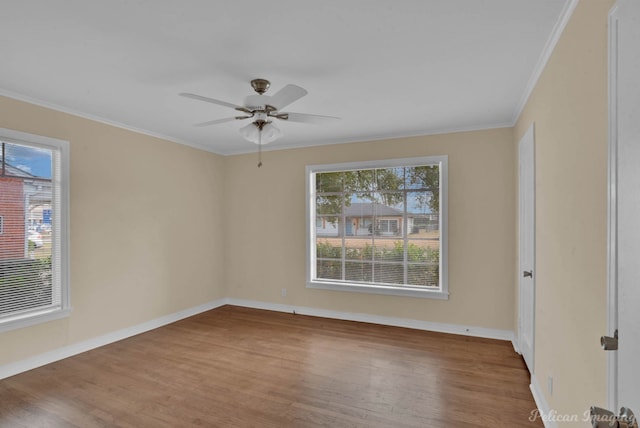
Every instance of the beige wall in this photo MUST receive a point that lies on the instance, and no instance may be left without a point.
(146, 224)
(569, 108)
(157, 227)
(265, 212)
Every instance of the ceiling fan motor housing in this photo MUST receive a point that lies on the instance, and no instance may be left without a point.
(256, 102)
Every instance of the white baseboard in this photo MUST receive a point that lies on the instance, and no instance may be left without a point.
(541, 403)
(488, 333)
(77, 348)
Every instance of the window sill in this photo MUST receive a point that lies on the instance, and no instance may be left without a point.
(379, 289)
(33, 319)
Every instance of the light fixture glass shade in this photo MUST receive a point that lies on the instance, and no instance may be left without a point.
(269, 133)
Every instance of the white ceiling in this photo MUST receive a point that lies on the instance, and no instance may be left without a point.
(388, 68)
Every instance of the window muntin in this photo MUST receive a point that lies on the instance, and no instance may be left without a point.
(379, 226)
(34, 283)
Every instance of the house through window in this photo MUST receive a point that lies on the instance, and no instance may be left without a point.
(33, 195)
(379, 226)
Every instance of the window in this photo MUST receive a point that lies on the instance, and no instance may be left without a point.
(1, 225)
(388, 226)
(34, 282)
(379, 227)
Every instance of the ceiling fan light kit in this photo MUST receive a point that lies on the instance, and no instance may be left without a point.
(262, 108)
(261, 134)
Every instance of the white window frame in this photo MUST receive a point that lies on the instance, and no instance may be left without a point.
(60, 247)
(441, 293)
(1, 224)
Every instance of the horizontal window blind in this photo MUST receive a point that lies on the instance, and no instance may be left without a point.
(30, 273)
(377, 226)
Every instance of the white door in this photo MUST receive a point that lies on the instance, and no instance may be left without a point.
(625, 201)
(526, 286)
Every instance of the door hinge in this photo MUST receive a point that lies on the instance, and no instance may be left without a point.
(609, 343)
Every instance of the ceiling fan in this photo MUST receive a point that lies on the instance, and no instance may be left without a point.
(262, 109)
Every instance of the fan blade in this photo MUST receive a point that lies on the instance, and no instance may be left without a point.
(214, 101)
(286, 96)
(217, 121)
(305, 118)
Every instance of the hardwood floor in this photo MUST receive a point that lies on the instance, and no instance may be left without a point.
(239, 367)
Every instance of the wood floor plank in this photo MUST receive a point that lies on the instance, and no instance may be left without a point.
(240, 367)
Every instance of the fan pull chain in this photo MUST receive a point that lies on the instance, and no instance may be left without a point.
(259, 148)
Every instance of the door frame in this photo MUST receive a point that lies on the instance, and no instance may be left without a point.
(612, 209)
(529, 133)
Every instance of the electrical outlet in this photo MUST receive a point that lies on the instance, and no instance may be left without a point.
(283, 292)
(550, 385)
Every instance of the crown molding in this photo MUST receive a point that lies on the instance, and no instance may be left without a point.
(372, 138)
(88, 116)
(548, 49)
